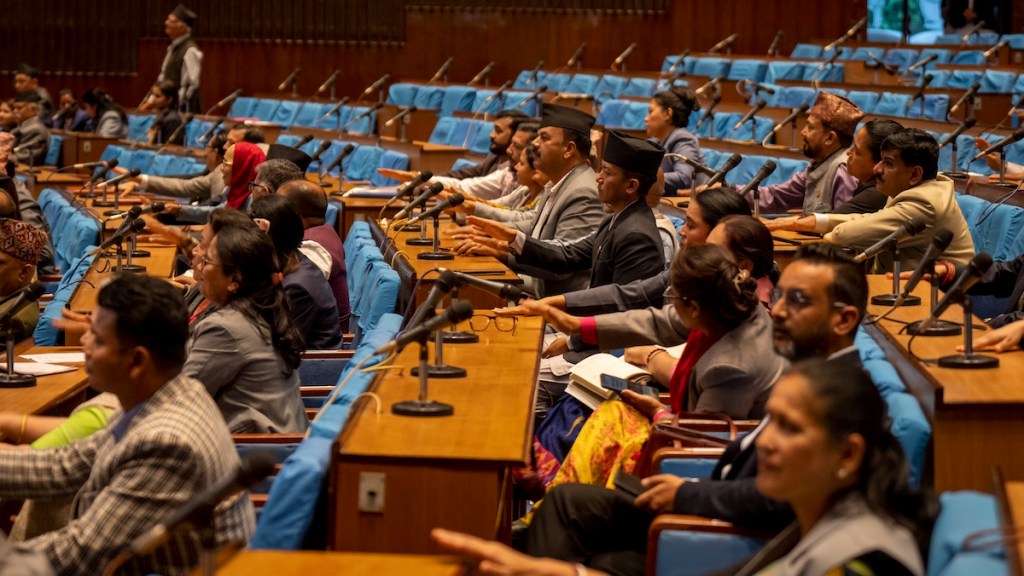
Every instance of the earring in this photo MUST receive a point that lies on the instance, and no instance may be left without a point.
(842, 473)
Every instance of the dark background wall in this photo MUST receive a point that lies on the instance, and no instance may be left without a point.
(254, 44)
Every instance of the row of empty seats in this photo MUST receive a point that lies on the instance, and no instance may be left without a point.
(448, 100)
(361, 164)
(290, 113)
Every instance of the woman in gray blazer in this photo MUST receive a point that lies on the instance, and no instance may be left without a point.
(244, 347)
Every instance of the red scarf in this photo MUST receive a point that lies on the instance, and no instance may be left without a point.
(243, 170)
(696, 345)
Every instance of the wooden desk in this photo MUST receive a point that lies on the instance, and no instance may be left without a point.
(977, 416)
(249, 562)
(80, 147)
(362, 209)
(438, 158)
(410, 268)
(53, 395)
(43, 178)
(449, 471)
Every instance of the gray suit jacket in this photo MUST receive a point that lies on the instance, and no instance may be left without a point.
(33, 134)
(235, 359)
(569, 211)
(198, 188)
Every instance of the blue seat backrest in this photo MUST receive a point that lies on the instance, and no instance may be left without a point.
(443, 130)
(998, 230)
(964, 151)
(194, 130)
(389, 159)
(969, 57)
(53, 150)
(138, 126)
(285, 112)
(264, 108)
(756, 130)
(748, 69)
(429, 97)
(294, 497)
(641, 87)
(710, 66)
(785, 168)
(331, 154)
(359, 229)
(864, 100)
(309, 114)
(523, 101)
(892, 104)
(961, 515)
(363, 125)
(384, 282)
(335, 121)
(161, 165)
(581, 84)
(785, 71)
(362, 164)
(609, 87)
(806, 51)
(998, 81)
(45, 333)
(688, 553)
(1016, 40)
(331, 216)
(612, 113)
(461, 163)
(457, 99)
(935, 107)
(633, 119)
(479, 136)
(402, 94)
(526, 80)
(900, 57)
(557, 82)
(962, 79)
(242, 107)
(482, 106)
(943, 56)
(940, 78)
(831, 73)
(794, 96)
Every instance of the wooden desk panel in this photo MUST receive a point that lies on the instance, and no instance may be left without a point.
(449, 471)
(977, 416)
(159, 264)
(54, 395)
(249, 562)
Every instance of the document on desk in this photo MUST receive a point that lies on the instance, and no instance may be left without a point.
(56, 357)
(40, 369)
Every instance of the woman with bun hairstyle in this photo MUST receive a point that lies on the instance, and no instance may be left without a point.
(668, 115)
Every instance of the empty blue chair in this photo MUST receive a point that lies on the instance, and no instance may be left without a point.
(140, 159)
(482, 106)
(288, 139)
(831, 73)
(443, 130)
(526, 80)
(964, 150)
(331, 154)
(761, 128)
(969, 58)
(642, 87)
(161, 165)
(669, 62)
(964, 514)
(612, 112)
(784, 71)
(45, 333)
(1018, 87)
(581, 84)
(522, 101)
(806, 51)
(362, 164)
(609, 87)
(285, 112)
(710, 66)
(335, 121)
(402, 94)
(461, 163)
(998, 81)
(365, 125)
(785, 168)
(294, 497)
(460, 133)
(309, 113)
(900, 57)
(746, 169)
(866, 101)
(860, 54)
(943, 56)
(748, 69)
(194, 130)
(429, 97)
(891, 104)
(457, 99)
(264, 108)
(242, 107)
(53, 151)
(183, 165)
(935, 107)
(479, 136)
(962, 79)
(940, 78)
(393, 160)
(138, 126)
(794, 96)
(633, 119)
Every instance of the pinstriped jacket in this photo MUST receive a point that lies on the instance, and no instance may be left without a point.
(175, 446)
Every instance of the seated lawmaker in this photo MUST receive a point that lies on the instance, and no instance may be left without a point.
(20, 246)
(26, 79)
(908, 175)
(245, 348)
(668, 115)
(8, 120)
(167, 446)
(31, 135)
(163, 99)
(108, 118)
(1003, 280)
(863, 155)
(825, 183)
(71, 118)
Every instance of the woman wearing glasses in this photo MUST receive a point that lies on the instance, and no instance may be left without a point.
(244, 346)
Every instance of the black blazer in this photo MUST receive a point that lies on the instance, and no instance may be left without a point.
(1003, 279)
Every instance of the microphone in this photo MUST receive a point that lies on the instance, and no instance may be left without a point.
(849, 34)
(127, 229)
(134, 172)
(499, 289)
(575, 58)
(760, 87)
(1017, 135)
(229, 99)
(922, 62)
(136, 211)
(773, 48)
(334, 109)
(60, 114)
(452, 201)
(501, 89)
(459, 311)
(18, 149)
(303, 141)
(366, 113)
(821, 67)
(320, 151)
(889, 69)
(971, 31)
(442, 70)
(211, 130)
(751, 113)
(96, 175)
(680, 61)
(26, 296)
(540, 90)
(329, 83)
(253, 469)
(622, 57)
(348, 149)
(796, 113)
(926, 80)
(444, 284)
(431, 191)
(291, 78)
(401, 115)
(533, 73)
(410, 186)
(994, 49)
(377, 85)
(969, 95)
(964, 126)
(942, 239)
(710, 109)
(907, 229)
(485, 73)
(719, 176)
(696, 165)
(765, 171)
(976, 268)
(725, 43)
(106, 164)
(710, 84)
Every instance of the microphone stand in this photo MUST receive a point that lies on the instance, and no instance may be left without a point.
(421, 406)
(890, 299)
(417, 227)
(116, 204)
(129, 266)
(939, 327)
(458, 336)
(436, 254)
(953, 150)
(9, 379)
(968, 359)
(438, 369)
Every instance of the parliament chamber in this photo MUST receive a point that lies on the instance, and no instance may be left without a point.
(400, 347)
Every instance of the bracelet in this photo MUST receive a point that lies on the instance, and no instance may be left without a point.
(660, 413)
(24, 423)
(580, 569)
(650, 355)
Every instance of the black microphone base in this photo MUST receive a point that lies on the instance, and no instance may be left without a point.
(133, 268)
(111, 212)
(460, 337)
(419, 242)
(435, 255)
(410, 228)
(141, 254)
(90, 195)
(441, 371)
(938, 328)
(103, 203)
(417, 408)
(969, 361)
(17, 381)
(890, 299)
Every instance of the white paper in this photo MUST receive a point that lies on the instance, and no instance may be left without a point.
(38, 369)
(57, 357)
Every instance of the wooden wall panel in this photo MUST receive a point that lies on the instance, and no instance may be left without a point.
(515, 37)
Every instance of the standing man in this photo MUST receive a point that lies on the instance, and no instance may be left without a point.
(184, 60)
(168, 445)
(825, 183)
